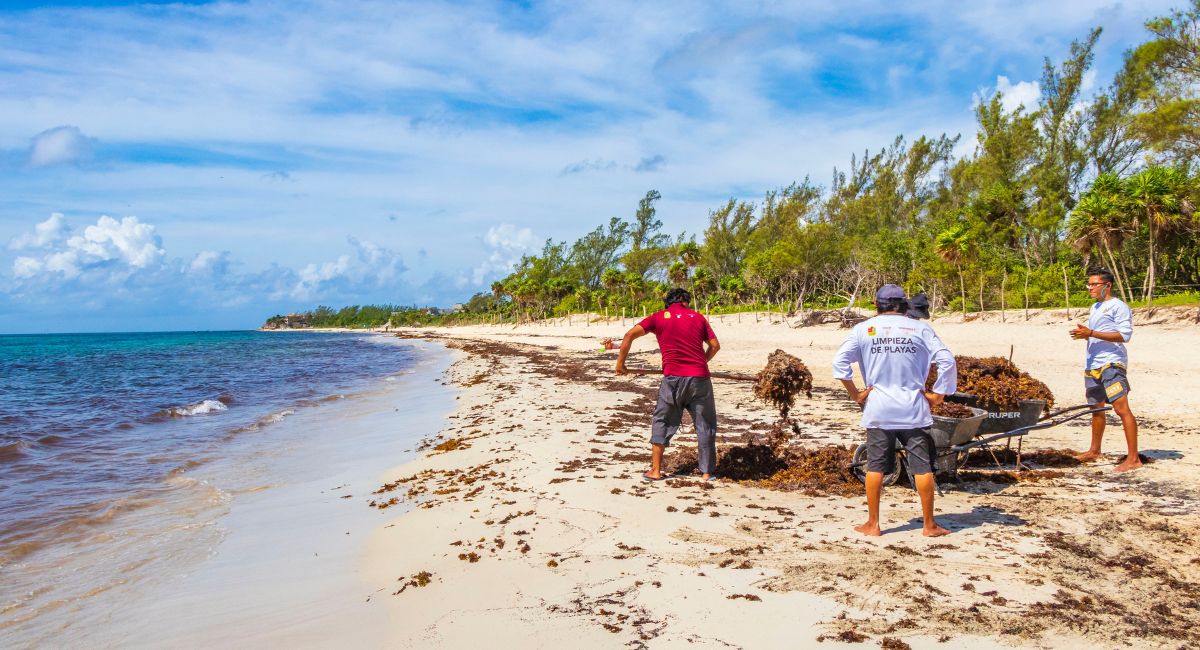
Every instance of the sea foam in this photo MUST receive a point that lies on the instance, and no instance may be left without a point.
(200, 408)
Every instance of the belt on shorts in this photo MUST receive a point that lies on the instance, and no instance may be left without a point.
(1097, 372)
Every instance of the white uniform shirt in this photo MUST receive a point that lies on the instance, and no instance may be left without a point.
(1112, 315)
(893, 353)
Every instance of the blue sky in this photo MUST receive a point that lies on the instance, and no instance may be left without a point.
(203, 165)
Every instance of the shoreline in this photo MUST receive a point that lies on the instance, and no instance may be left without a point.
(260, 545)
(536, 488)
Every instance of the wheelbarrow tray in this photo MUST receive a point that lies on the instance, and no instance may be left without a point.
(998, 421)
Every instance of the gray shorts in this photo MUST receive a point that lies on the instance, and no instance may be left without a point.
(881, 450)
(1110, 387)
(677, 394)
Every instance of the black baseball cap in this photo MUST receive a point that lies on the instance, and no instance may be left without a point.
(918, 306)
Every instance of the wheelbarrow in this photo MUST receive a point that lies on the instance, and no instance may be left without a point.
(955, 438)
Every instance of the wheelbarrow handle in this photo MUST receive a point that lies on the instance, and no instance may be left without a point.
(1053, 414)
(715, 375)
(1020, 431)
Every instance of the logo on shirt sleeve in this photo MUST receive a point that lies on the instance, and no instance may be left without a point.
(666, 314)
(871, 331)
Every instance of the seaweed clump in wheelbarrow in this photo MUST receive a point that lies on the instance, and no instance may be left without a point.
(953, 410)
(997, 383)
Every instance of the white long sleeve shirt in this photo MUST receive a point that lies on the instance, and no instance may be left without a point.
(893, 353)
(1112, 315)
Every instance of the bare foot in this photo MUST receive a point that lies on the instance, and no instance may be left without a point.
(869, 529)
(1129, 464)
(936, 531)
(1086, 456)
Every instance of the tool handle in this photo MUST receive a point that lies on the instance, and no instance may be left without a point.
(736, 376)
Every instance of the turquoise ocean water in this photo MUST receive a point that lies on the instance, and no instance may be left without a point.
(108, 444)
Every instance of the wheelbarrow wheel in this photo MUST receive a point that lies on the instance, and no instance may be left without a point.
(860, 467)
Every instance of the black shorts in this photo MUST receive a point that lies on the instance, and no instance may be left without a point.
(1110, 387)
(881, 450)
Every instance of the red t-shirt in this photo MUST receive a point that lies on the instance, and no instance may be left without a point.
(681, 334)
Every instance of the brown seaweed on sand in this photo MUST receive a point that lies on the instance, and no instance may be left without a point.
(813, 471)
(820, 471)
(784, 377)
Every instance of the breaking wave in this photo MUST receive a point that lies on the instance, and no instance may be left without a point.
(200, 408)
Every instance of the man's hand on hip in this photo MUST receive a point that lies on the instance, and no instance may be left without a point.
(934, 398)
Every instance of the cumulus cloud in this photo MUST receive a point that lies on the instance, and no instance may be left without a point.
(108, 246)
(62, 145)
(44, 234)
(506, 243)
(372, 267)
(1023, 93)
(209, 263)
(123, 262)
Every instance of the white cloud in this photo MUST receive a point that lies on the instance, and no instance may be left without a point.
(122, 260)
(373, 267)
(507, 243)
(59, 146)
(1014, 96)
(209, 263)
(115, 246)
(45, 233)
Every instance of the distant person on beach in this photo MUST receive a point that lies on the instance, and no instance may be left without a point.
(687, 343)
(893, 353)
(1109, 328)
(918, 307)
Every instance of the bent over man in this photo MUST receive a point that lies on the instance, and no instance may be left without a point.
(1109, 328)
(893, 353)
(687, 343)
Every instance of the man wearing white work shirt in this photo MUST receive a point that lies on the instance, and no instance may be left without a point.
(893, 353)
(1109, 328)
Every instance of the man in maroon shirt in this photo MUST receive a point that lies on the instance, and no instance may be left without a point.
(683, 336)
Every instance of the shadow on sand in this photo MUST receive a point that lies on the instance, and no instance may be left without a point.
(956, 521)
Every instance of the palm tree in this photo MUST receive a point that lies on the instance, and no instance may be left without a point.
(954, 245)
(1158, 195)
(734, 287)
(702, 282)
(525, 294)
(678, 273)
(613, 280)
(637, 287)
(689, 254)
(1097, 220)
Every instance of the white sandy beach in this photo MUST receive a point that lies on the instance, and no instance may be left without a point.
(533, 527)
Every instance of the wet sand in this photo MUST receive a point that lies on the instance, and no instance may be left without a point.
(526, 520)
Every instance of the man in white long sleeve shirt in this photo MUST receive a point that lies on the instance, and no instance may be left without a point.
(1109, 328)
(893, 353)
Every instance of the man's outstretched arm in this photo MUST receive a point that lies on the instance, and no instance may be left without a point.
(626, 343)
